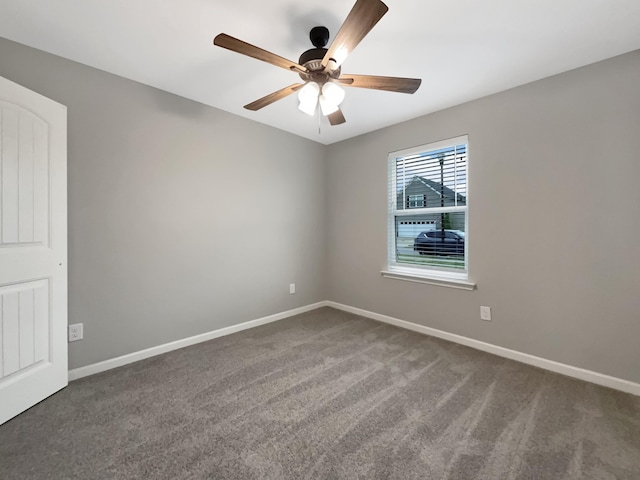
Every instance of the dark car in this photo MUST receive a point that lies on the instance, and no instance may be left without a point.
(440, 242)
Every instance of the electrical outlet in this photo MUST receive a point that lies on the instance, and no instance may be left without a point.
(292, 288)
(76, 332)
(485, 313)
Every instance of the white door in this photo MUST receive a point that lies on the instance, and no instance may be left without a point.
(33, 248)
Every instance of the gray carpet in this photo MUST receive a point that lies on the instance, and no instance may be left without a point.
(326, 395)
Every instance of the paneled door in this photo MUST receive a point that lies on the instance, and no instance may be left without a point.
(33, 248)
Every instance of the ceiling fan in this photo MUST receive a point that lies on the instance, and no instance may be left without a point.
(319, 67)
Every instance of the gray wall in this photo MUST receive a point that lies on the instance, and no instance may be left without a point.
(554, 225)
(182, 218)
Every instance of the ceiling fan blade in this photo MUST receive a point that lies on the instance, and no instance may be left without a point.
(273, 97)
(390, 84)
(230, 43)
(361, 19)
(336, 118)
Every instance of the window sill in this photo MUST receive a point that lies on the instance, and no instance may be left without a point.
(443, 280)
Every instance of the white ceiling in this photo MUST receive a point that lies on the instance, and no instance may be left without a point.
(462, 49)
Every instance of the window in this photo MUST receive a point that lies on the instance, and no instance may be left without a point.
(428, 209)
(416, 201)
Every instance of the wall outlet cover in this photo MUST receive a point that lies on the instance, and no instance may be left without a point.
(485, 313)
(76, 332)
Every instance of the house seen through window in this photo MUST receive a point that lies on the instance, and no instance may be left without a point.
(428, 207)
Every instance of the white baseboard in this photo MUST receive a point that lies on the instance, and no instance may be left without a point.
(568, 370)
(94, 368)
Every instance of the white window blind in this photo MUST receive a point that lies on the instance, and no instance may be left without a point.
(428, 207)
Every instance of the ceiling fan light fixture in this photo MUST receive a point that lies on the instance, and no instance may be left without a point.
(333, 93)
(327, 106)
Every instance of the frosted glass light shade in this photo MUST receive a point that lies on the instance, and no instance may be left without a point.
(308, 106)
(309, 92)
(333, 93)
(327, 107)
(308, 96)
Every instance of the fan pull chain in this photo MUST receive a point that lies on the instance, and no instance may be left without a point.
(319, 123)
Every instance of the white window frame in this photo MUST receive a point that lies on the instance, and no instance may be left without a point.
(416, 273)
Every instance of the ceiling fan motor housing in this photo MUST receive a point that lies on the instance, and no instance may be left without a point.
(312, 58)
